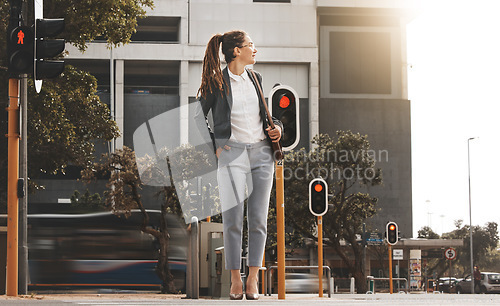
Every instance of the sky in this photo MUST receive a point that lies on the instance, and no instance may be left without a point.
(453, 82)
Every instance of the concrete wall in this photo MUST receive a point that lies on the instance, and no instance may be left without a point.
(387, 124)
(269, 24)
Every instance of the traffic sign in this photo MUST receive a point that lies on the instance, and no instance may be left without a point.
(374, 238)
(450, 253)
(397, 254)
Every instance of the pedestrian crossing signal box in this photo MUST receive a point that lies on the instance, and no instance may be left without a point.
(20, 50)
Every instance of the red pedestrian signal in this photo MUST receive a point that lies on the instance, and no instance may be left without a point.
(20, 50)
(20, 36)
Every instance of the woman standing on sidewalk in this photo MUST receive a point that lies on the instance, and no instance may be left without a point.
(241, 136)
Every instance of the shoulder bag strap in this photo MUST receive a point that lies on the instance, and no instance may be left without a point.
(269, 118)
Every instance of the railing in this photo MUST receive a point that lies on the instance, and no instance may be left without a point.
(387, 280)
(328, 276)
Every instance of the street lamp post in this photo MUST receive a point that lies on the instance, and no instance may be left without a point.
(470, 218)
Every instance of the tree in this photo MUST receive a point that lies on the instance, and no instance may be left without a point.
(125, 183)
(67, 117)
(485, 242)
(349, 167)
(427, 232)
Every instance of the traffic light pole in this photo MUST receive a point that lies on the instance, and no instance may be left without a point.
(320, 255)
(23, 205)
(280, 224)
(390, 268)
(12, 197)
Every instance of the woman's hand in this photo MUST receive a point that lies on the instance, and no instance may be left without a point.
(274, 134)
(219, 150)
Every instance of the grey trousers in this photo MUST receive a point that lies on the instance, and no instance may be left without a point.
(245, 171)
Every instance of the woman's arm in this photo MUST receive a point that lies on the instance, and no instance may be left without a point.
(202, 108)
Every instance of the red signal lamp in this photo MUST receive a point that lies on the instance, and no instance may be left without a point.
(22, 36)
(318, 188)
(392, 227)
(284, 102)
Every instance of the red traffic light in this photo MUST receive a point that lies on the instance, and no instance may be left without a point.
(392, 234)
(318, 197)
(284, 102)
(285, 107)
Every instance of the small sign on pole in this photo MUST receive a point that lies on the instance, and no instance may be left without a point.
(397, 254)
(450, 253)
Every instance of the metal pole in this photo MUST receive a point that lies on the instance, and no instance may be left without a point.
(195, 257)
(280, 224)
(450, 278)
(363, 243)
(470, 218)
(397, 272)
(12, 178)
(112, 93)
(320, 255)
(23, 208)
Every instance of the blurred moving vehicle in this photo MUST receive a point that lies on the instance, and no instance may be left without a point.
(101, 250)
(447, 284)
(490, 283)
(303, 283)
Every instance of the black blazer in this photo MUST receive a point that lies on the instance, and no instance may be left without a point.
(221, 111)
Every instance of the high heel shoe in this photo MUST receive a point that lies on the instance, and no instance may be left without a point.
(253, 296)
(236, 296)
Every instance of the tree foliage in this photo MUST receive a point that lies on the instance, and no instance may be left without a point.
(427, 232)
(67, 118)
(349, 168)
(485, 242)
(112, 20)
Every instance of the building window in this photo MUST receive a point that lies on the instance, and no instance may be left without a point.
(157, 30)
(359, 62)
(151, 77)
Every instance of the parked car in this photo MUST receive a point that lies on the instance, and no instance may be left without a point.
(303, 283)
(490, 283)
(447, 284)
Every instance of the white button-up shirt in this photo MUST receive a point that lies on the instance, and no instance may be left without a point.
(246, 123)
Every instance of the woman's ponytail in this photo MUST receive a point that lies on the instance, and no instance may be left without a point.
(211, 78)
